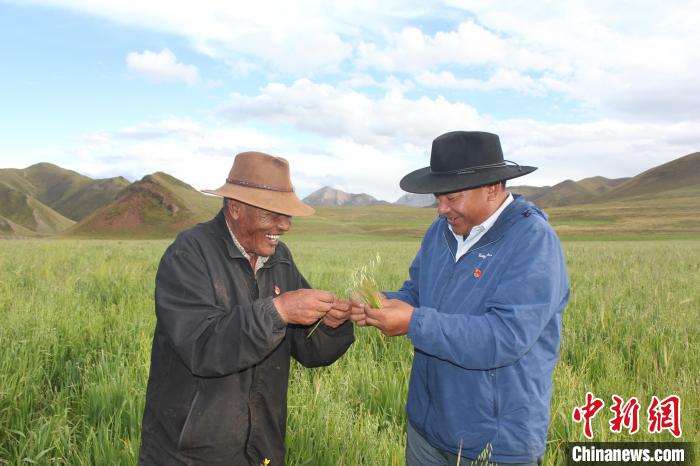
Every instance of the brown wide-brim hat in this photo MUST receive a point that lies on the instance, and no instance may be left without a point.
(263, 181)
(462, 160)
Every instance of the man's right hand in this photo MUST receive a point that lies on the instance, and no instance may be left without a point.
(357, 312)
(303, 306)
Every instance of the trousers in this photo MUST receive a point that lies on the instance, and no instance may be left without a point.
(420, 453)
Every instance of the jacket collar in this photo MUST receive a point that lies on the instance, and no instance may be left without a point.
(235, 253)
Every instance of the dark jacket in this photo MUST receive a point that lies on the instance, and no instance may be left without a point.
(486, 333)
(217, 390)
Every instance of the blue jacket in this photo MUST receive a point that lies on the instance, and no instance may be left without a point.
(486, 333)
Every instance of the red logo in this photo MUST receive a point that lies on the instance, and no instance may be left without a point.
(665, 415)
(477, 272)
(626, 415)
(277, 290)
(587, 412)
(661, 415)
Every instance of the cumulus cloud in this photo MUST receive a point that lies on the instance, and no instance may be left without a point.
(330, 112)
(161, 66)
(501, 79)
(277, 36)
(412, 50)
(632, 63)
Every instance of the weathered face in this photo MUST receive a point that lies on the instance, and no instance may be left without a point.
(258, 230)
(465, 209)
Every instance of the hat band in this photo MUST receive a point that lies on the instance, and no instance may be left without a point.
(251, 184)
(471, 170)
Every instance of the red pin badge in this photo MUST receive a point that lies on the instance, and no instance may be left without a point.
(477, 272)
(277, 290)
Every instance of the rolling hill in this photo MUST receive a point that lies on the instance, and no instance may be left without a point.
(679, 173)
(24, 215)
(45, 199)
(157, 205)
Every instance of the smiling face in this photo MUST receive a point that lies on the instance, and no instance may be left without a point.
(466, 209)
(258, 230)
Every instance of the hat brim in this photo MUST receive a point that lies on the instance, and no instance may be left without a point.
(286, 203)
(423, 181)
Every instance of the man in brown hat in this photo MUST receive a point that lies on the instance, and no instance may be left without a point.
(482, 308)
(231, 309)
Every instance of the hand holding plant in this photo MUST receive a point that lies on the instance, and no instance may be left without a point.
(363, 288)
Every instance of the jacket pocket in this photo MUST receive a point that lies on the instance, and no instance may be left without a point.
(494, 393)
(217, 418)
(182, 441)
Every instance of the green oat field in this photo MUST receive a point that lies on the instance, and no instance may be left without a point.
(76, 320)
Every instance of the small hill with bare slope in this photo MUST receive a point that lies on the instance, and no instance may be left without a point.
(73, 195)
(69, 193)
(23, 214)
(599, 185)
(155, 206)
(680, 173)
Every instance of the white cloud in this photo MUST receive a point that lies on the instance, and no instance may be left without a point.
(330, 112)
(411, 50)
(633, 61)
(161, 66)
(279, 36)
(501, 79)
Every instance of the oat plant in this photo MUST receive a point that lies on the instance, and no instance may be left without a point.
(362, 287)
(363, 284)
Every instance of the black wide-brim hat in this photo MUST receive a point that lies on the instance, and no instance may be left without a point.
(462, 160)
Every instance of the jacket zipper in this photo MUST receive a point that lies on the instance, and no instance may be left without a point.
(491, 372)
(494, 386)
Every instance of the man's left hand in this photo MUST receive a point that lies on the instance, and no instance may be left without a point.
(392, 319)
(339, 313)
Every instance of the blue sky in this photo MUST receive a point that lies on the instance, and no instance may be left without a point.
(351, 94)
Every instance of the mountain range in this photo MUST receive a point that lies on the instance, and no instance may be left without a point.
(44, 199)
(328, 196)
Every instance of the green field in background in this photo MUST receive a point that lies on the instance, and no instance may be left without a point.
(76, 321)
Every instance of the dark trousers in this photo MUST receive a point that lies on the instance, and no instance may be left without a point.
(420, 453)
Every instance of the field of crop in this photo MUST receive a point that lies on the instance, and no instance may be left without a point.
(76, 320)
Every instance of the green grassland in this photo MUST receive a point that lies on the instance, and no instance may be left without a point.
(76, 320)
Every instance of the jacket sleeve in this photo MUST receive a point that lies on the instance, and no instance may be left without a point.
(209, 339)
(325, 345)
(408, 292)
(533, 288)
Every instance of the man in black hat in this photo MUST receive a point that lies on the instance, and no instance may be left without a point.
(482, 307)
